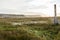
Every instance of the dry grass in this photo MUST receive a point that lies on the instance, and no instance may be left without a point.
(28, 31)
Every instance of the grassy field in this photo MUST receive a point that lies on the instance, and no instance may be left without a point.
(44, 31)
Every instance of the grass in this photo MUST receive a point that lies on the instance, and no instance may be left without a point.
(28, 31)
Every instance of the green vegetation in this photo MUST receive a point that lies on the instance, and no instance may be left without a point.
(38, 31)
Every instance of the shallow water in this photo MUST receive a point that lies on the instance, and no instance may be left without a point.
(29, 22)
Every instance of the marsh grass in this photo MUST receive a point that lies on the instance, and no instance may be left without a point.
(28, 31)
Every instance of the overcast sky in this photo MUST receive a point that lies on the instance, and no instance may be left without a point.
(38, 7)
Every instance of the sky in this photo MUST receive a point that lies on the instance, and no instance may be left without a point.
(29, 7)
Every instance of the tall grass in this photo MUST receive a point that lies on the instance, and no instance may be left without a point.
(28, 31)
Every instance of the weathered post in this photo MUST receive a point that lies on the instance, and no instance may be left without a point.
(55, 16)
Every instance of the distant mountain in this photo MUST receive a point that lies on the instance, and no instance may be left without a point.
(11, 16)
(17, 16)
(20, 16)
(23, 15)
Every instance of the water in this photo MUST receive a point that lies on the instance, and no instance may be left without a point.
(29, 22)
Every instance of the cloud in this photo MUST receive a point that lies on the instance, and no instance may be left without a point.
(39, 7)
(58, 1)
(19, 4)
(43, 6)
(29, 0)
